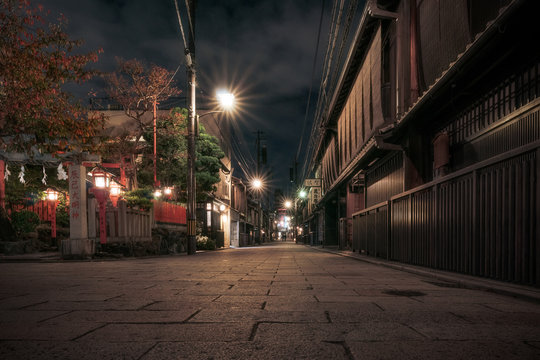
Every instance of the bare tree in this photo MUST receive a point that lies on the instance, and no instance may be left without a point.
(137, 89)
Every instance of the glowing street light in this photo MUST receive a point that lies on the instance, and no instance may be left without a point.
(226, 101)
(288, 204)
(257, 184)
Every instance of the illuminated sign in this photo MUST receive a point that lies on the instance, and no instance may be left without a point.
(313, 182)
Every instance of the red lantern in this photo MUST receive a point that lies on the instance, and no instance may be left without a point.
(52, 199)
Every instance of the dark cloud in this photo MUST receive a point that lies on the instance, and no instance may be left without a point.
(264, 49)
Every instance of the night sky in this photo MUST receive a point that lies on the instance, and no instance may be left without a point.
(262, 49)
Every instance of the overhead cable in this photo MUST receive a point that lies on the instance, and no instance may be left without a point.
(311, 82)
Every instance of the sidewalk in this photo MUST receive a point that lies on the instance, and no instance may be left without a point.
(32, 257)
(452, 279)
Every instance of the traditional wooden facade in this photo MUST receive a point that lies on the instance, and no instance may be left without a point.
(429, 149)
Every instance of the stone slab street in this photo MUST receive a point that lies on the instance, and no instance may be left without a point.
(279, 301)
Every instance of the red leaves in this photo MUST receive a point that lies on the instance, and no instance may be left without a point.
(36, 59)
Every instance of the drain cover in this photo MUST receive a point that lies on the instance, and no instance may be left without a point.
(404, 293)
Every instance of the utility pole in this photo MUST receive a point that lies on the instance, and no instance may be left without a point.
(156, 183)
(192, 130)
(258, 174)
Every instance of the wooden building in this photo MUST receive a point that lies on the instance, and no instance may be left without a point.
(428, 145)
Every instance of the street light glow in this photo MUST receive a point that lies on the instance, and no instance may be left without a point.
(226, 99)
(288, 204)
(302, 194)
(257, 183)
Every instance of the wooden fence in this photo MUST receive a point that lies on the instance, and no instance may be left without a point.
(483, 220)
(123, 223)
(168, 213)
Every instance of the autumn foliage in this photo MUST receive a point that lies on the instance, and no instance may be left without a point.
(36, 59)
(135, 87)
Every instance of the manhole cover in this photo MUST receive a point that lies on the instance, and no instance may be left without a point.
(404, 293)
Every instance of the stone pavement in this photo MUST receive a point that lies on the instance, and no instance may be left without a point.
(280, 301)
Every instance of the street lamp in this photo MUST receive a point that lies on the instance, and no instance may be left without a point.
(257, 185)
(227, 101)
(52, 199)
(101, 192)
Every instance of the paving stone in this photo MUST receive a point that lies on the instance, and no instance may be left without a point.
(280, 301)
(434, 350)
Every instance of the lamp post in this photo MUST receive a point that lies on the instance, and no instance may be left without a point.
(52, 199)
(302, 194)
(226, 101)
(258, 185)
(288, 205)
(101, 192)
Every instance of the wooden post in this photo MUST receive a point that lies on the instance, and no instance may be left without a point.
(2, 185)
(122, 220)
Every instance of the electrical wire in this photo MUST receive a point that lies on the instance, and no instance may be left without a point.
(170, 80)
(338, 39)
(180, 23)
(311, 83)
(190, 20)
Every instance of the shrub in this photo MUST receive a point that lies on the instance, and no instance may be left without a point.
(139, 197)
(204, 243)
(24, 221)
(62, 215)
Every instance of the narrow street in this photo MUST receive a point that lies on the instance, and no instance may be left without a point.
(279, 301)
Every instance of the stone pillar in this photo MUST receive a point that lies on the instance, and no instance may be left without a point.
(78, 245)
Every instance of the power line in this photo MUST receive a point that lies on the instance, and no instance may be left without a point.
(180, 23)
(311, 83)
(190, 20)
